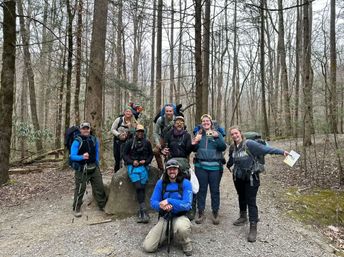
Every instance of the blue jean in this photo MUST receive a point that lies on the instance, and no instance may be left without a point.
(213, 179)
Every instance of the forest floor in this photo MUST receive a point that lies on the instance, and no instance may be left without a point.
(36, 217)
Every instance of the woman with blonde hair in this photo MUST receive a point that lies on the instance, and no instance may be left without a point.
(121, 129)
(243, 155)
(209, 146)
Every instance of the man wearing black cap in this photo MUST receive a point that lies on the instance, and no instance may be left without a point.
(84, 156)
(137, 155)
(172, 198)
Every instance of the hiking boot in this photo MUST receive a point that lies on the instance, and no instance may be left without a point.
(201, 217)
(77, 212)
(139, 217)
(145, 217)
(187, 249)
(252, 235)
(241, 220)
(216, 219)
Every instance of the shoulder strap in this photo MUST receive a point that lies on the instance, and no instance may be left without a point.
(79, 139)
(248, 151)
(163, 190)
(180, 187)
(120, 121)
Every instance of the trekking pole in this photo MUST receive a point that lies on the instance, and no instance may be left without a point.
(169, 228)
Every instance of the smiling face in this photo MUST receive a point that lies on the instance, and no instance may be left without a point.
(172, 173)
(206, 123)
(236, 135)
(140, 134)
(85, 131)
(128, 114)
(169, 112)
(179, 124)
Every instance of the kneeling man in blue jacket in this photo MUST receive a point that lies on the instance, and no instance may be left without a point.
(172, 198)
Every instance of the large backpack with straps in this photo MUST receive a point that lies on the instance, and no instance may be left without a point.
(70, 134)
(79, 139)
(176, 109)
(216, 125)
(258, 138)
(191, 213)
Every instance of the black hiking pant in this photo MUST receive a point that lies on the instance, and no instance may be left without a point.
(117, 152)
(81, 179)
(247, 194)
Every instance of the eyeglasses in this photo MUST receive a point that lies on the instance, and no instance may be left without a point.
(180, 122)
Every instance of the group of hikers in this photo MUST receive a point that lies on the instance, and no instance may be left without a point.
(174, 196)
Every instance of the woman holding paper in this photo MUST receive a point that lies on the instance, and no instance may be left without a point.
(243, 155)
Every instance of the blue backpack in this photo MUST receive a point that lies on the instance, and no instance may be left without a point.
(217, 127)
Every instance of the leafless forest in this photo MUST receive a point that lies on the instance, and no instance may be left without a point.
(272, 66)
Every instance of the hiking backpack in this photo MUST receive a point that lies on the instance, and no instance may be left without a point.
(255, 136)
(176, 109)
(217, 127)
(191, 213)
(70, 134)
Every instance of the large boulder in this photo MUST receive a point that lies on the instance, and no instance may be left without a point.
(122, 194)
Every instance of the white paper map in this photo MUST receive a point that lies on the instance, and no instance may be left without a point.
(292, 158)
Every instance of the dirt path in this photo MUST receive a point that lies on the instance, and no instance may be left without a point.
(45, 227)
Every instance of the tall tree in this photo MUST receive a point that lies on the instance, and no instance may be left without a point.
(333, 69)
(206, 54)
(307, 83)
(283, 69)
(158, 57)
(198, 60)
(7, 85)
(71, 14)
(172, 53)
(152, 67)
(30, 74)
(119, 54)
(266, 132)
(94, 97)
(298, 52)
(78, 62)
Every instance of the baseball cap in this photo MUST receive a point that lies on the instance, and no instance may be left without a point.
(140, 127)
(85, 124)
(172, 164)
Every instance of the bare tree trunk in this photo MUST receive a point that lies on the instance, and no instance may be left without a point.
(206, 54)
(152, 111)
(172, 53)
(23, 111)
(297, 70)
(307, 88)
(181, 22)
(265, 133)
(69, 62)
(333, 70)
(7, 86)
(158, 57)
(235, 68)
(119, 54)
(60, 99)
(94, 97)
(30, 74)
(284, 73)
(78, 62)
(198, 60)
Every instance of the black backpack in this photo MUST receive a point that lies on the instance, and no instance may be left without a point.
(258, 138)
(70, 134)
(186, 175)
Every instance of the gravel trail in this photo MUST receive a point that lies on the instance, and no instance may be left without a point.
(46, 227)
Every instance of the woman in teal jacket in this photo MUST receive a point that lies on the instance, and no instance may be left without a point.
(209, 146)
